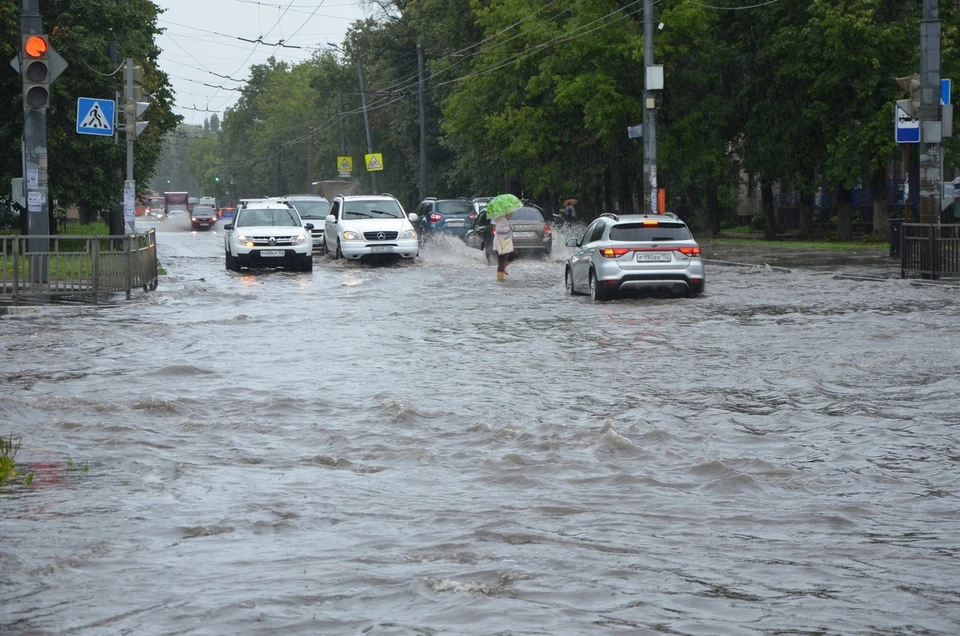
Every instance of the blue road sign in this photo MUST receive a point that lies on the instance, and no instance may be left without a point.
(944, 92)
(906, 130)
(95, 116)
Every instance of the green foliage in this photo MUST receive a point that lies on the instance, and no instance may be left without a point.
(8, 468)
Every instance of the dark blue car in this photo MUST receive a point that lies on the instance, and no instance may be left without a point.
(448, 216)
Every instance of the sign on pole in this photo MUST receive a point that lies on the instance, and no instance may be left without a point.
(95, 116)
(374, 161)
(635, 132)
(906, 129)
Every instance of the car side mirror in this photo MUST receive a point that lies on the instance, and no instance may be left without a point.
(413, 217)
(330, 219)
(309, 226)
(228, 226)
(573, 243)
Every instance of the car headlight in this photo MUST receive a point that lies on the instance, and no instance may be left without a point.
(243, 240)
(408, 234)
(350, 235)
(299, 239)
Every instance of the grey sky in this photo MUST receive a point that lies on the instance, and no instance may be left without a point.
(201, 42)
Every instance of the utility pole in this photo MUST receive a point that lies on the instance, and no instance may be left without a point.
(343, 130)
(931, 125)
(279, 167)
(650, 112)
(310, 161)
(366, 122)
(421, 82)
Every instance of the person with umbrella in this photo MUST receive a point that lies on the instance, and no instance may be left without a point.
(499, 210)
(569, 212)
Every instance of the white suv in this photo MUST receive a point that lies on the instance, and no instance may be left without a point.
(268, 234)
(369, 225)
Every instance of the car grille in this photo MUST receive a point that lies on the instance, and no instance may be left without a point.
(380, 236)
(279, 240)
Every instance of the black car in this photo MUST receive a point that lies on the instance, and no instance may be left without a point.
(203, 217)
(532, 235)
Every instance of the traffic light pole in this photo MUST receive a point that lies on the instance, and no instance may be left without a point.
(35, 163)
(129, 186)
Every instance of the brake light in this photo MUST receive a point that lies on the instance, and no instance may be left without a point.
(435, 217)
(546, 231)
(689, 251)
(613, 252)
(651, 223)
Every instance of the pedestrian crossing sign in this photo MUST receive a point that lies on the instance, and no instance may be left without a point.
(374, 162)
(345, 164)
(95, 116)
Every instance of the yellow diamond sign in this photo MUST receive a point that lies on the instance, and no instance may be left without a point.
(344, 164)
(374, 162)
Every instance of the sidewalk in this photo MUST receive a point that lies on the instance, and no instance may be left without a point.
(872, 262)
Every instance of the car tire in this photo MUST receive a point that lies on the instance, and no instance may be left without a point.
(232, 263)
(306, 265)
(339, 254)
(323, 247)
(598, 293)
(568, 283)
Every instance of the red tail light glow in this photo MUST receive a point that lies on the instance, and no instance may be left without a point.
(651, 223)
(546, 231)
(689, 251)
(613, 252)
(435, 217)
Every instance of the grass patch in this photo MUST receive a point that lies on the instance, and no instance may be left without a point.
(849, 246)
(8, 469)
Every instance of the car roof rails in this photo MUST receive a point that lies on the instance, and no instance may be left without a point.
(610, 215)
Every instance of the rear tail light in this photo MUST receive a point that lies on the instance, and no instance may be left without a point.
(613, 252)
(546, 231)
(435, 217)
(690, 251)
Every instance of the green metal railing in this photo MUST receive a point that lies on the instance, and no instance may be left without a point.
(36, 269)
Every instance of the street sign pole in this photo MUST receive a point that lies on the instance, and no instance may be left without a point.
(35, 164)
(130, 184)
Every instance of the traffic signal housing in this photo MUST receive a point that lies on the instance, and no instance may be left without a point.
(35, 70)
(911, 86)
(134, 107)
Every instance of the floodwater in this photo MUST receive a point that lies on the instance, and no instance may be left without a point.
(419, 449)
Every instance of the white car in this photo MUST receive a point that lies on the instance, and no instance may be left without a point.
(268, 234)
(369, 225)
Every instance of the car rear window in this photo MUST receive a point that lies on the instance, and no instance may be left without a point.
(312, 209)
(454, 207)
(526, 214)
(660, 232)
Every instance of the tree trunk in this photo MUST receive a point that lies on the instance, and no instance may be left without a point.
(713, 210)
(881, 219)
(769, 214)
(844, 215)
(806, 214)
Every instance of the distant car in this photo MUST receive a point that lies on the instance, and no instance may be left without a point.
(313, 209)
(360, 226)
(447, 216)
(202, 217)
(225, 215)
(635, 252)
(156, 213)
(268, 234)
(531, 234)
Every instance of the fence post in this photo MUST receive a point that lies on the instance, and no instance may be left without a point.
(96, 268)
(128, 280)
(16, 271)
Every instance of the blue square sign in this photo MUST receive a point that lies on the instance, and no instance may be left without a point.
(95, 116)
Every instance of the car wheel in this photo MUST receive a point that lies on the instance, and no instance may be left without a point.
(323, 247)
(491, 258)
(339, 254)
(568, 283)
(233, 263)
(307, 264)
(598, 293)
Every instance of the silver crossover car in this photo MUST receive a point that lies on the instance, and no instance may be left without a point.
(633, 253)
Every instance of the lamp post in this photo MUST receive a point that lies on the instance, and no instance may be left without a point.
(366, 115)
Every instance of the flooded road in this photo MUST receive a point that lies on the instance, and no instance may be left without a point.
(419, 449)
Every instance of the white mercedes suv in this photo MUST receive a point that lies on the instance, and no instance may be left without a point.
(369, 225)
(268, 234)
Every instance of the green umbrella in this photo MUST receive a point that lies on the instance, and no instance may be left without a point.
(503, 204)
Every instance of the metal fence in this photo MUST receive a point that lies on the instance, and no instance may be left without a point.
(930, 251)
(37, 269)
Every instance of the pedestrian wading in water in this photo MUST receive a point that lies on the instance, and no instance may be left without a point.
(500, 209)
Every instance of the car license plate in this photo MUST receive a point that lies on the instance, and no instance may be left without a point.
(524, 234)
(653, 257)
(455, 223)
(381, 248)
(271, 253)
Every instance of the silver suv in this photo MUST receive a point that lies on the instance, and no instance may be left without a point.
(635, 252)
(268, 234)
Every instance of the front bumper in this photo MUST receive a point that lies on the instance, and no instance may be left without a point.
(255, 258)
(407, 248)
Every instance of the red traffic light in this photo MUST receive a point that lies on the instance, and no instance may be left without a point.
(35, 46)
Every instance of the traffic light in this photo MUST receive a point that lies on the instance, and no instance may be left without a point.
(35, 70)
(911, 86)
(217, 179)
(135, 107)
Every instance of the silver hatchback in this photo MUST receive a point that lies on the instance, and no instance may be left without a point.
(633, 253)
